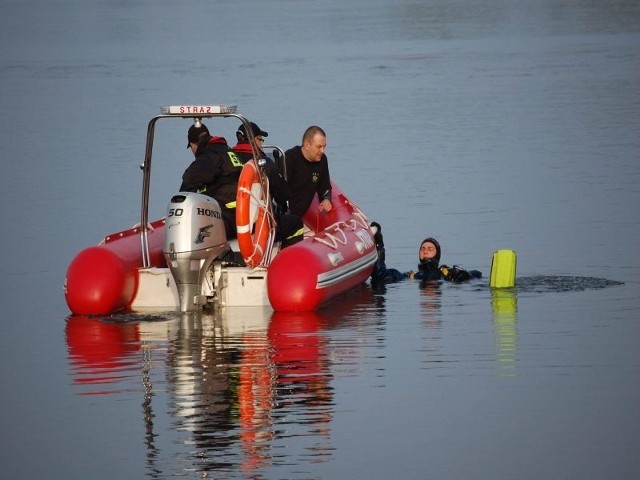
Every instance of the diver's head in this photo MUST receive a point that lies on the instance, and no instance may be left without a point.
(429, 255)
(429, 250)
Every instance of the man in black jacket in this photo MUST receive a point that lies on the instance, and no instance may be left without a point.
(308, 172)
(214, 172)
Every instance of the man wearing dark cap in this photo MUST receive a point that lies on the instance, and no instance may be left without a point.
(289, 228)
(214, 172)
(243, 148)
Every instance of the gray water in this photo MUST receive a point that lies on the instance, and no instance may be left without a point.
(486, 124)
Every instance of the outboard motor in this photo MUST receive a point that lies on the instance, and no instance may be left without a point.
(194, 237)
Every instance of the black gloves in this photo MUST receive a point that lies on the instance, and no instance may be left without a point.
(377, 237)
(377, 234)
(454, 274)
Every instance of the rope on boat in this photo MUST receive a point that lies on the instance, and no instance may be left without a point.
(331, 240)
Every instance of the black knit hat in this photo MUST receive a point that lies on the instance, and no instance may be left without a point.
(196, 133)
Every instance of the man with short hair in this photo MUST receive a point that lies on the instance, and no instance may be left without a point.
(308, 172)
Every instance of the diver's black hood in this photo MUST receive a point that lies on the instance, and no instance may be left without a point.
(437, 245)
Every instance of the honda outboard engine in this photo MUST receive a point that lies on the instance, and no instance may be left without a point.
(194, 237)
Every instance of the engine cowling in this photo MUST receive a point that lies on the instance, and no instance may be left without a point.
(194, 237)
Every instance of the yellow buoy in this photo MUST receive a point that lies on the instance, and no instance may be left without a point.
(503, 269)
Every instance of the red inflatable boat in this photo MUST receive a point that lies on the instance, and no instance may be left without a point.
(139, 268)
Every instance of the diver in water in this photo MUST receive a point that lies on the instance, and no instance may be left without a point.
(429, 268)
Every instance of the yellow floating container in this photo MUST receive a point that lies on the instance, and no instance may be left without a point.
(503, 269)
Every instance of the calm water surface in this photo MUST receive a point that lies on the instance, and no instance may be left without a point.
(488, 125)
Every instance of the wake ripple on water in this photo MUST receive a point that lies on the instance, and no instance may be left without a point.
(561, 283)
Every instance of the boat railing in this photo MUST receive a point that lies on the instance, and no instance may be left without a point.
(197, 112)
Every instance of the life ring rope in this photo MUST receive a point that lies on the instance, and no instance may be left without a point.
(261, 204)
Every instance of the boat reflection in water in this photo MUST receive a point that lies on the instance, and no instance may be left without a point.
(242, 382)
(101, 354)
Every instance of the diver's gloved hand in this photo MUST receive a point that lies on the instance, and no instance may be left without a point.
(377, 234)
(475, 274)
(377, 237)
(459, 275)
(454, 274)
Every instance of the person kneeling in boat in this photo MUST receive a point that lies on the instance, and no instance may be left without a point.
(429, 268)
(307, 172)
(289, 228)
(214, 172)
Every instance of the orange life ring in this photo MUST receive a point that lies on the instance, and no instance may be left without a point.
(253, 220)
